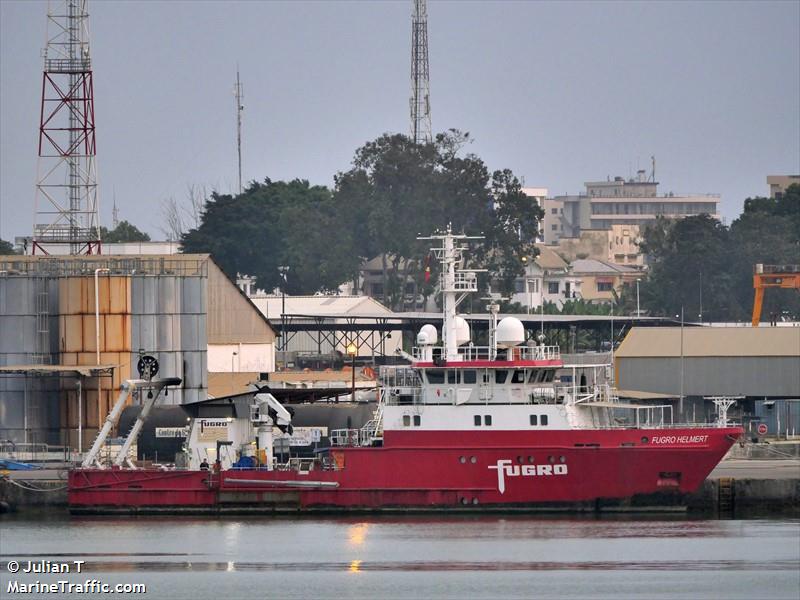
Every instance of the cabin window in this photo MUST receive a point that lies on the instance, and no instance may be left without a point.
(477, 420)
(534, 420)
(417, 420)
(532, 377)
(500, 375)
(469, 376)
(435, 375)
(485, 376)
(518, 377)
(487, 419)
(452, 376)
(406, 420)
(544, 419)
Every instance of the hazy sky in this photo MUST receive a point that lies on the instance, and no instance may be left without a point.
(561, 93)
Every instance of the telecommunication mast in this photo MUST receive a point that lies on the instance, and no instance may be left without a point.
(420, 75)
(65, 205)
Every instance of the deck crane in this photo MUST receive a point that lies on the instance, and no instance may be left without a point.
(772, 276)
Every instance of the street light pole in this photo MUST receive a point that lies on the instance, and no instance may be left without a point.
(680, 405)
(283, 270)
(638, 314)
(352, 350)
(233, 355)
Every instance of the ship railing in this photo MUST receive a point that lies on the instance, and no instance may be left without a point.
(345, 437)
(398, 377)
(472, 353)
(36, 452)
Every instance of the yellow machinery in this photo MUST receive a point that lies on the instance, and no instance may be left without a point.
(772, 276)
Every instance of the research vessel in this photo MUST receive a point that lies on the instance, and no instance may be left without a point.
(461, 427)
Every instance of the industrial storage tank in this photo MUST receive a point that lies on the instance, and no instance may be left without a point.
(29, 327)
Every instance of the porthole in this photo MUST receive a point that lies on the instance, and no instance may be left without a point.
(530, 459)
(475, 501)
(473, 460)
(551, 459)
(645, 440)
(464, 501)
(520, 459)
(562, 458)
(462, 459)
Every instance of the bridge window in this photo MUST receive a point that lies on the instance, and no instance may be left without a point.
(435, 375)
(518, 377)
(469, 376)
(452, 376)
(534, 420)
(500, 375)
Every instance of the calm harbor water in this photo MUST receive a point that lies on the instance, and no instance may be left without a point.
(413, 556)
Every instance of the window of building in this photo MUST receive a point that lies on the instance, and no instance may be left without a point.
(604, 286)
(406, 420)
(534, 420)
(552, 287)
(487, 419)
(544, 419)
(417, 420)
(477, 420)
(534, 283)
(553, 211)
(519, 286)
(377, 289)
(470, 376)
(554, 227)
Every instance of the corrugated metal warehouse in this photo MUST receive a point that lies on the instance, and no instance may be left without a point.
(759, 364)
(715, 361)
(176, 307)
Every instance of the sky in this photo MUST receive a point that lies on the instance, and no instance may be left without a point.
(559, 92)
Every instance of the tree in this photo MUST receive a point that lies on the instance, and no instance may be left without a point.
(6, 247)
(123, 232)
(397, 190)
(690, 269)
(274, 224)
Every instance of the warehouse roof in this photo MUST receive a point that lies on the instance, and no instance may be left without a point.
(642, 342)
(328, 306)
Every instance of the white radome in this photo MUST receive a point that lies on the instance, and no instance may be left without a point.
(462, 331)
(510, 332)
(427, 335)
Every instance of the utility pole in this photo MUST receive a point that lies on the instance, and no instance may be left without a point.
(420, 76)
(65, 204)
(239, 93)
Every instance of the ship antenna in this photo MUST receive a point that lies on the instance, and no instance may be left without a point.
(455, 284)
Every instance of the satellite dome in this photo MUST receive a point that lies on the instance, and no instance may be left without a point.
(427, 335)
(462, 331)
(510, 332)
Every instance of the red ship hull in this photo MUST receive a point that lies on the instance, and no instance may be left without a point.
(436, 469)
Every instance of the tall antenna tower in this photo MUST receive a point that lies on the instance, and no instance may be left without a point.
(420, 75)
(65, 206)
(239, 93)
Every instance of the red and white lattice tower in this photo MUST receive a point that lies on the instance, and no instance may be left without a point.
(66, 207)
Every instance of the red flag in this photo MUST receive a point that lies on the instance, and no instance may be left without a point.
(427, 268)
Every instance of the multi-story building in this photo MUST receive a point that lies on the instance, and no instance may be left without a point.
(778, 184)
(633, 203)
(548, 279)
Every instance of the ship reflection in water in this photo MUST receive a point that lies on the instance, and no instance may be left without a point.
(414, 557)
